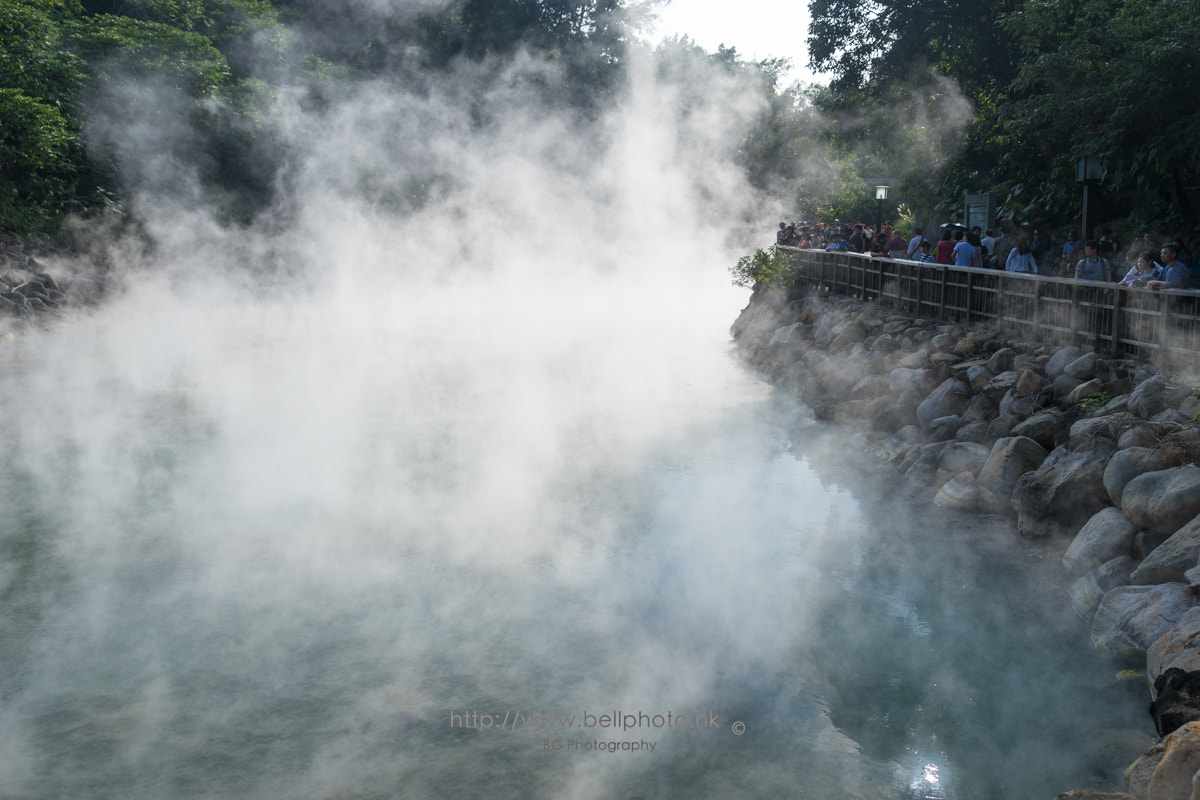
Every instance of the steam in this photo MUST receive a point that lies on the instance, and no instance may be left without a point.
(453, 429)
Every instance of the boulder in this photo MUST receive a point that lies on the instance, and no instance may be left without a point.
(950, 397)
(1172, 778)
(1137, 777)
(1181, 447)
(959, 493)
(903, 379)
(1059, 361)
(1127, 464)
(1001, 360)
(1040, 428)
(1170, 560)
(1087, 592)
(1008, 460)
(1164, 500)
(1065, 490)
(1178, 648)
(1176, 700)
(1138, 436)
(1082, 368)
(1029, 383)
(1131, 618)
(1081, 391)
(961, 457)
(1106, 536)
(1146, 399)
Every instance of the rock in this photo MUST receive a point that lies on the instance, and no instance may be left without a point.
(975, 431)
(1001, 385)
(1065, 490)
(962, 457)
(1001, 360)
(1087, 592)
(1172, 778)
(1131, 618)
(1137, 777)
(1112, 426)
(978, 377)
(783, 335)
(1171, 559)
(1178, 648)
(1146, 399)
(870, 387)
(1127, 464)
(1138, 436)
(948, 398)
(1040, 428)
(1181, 447)
(1082, 368)
(980, 408)
(942, 342)
(1059, 361)
(1083, 391)
(1164, 500)
(918, 359)
(1029, 383)
(1008, 460)
(1106, 536)
(959, 493)
(903, 379)
(1176, 700)
(896, 446)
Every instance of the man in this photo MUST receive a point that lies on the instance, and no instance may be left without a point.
(1174, 272)
(836, 243)
(964, 252)
(914, 244)
(988, 243)
(1092, 267)
(858, 239)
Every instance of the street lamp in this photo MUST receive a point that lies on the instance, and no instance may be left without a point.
(880, 195)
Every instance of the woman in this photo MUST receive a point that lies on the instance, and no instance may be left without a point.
(1020, 258)
(1144, 270)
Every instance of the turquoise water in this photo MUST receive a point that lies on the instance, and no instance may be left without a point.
(280, 570)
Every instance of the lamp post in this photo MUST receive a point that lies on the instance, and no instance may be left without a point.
(880, 195)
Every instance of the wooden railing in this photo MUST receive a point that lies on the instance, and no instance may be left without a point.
(1162, 328)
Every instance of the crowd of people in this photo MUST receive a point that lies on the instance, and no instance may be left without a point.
(1147, 262)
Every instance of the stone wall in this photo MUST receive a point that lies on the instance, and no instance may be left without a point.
(1101, 454)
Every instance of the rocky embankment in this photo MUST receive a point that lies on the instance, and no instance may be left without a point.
(1101, 454)
(38, 282)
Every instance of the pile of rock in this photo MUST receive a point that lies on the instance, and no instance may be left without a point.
(1101, 453)
(29, 290)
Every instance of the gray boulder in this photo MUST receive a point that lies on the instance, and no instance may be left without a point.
(1059, 361)
(1065, 490)
(1107, 535)
(1087, 592)
(1171, 559)
(1163, 501)
(1127, 464)
(947, 399)
(1146, 399)
(1082, 368)
(1179, 647)
(1131, 618)
(1008, 460)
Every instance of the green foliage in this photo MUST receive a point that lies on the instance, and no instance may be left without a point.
(766, 267)
(1095, 400)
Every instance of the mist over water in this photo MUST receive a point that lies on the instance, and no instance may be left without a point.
(303, 493)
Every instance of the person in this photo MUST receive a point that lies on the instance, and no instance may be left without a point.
(1021, 259)
(925, 256)
(896, 246)
(944, 254)
(1038, 246)
(781, 234)
(1072, 251)
(1092, 267)
(964, 253)
(988, 243)
(974, 240)
(1144, 270)
(915, 244)
(836, 243)
(858, 239)
(1174, 273)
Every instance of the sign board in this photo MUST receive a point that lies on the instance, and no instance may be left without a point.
(981, 211)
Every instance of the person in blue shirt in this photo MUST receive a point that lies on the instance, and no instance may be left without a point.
(964, 253)
(836, 243)
(1174, 274)
(1092, 267)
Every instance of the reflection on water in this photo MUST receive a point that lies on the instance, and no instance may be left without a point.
(210, 593)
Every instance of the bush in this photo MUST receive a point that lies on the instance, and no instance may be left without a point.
(769, 267)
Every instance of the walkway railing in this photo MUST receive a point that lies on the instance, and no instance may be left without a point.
(1162, 327)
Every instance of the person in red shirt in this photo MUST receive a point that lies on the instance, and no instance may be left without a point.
(945, 249)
